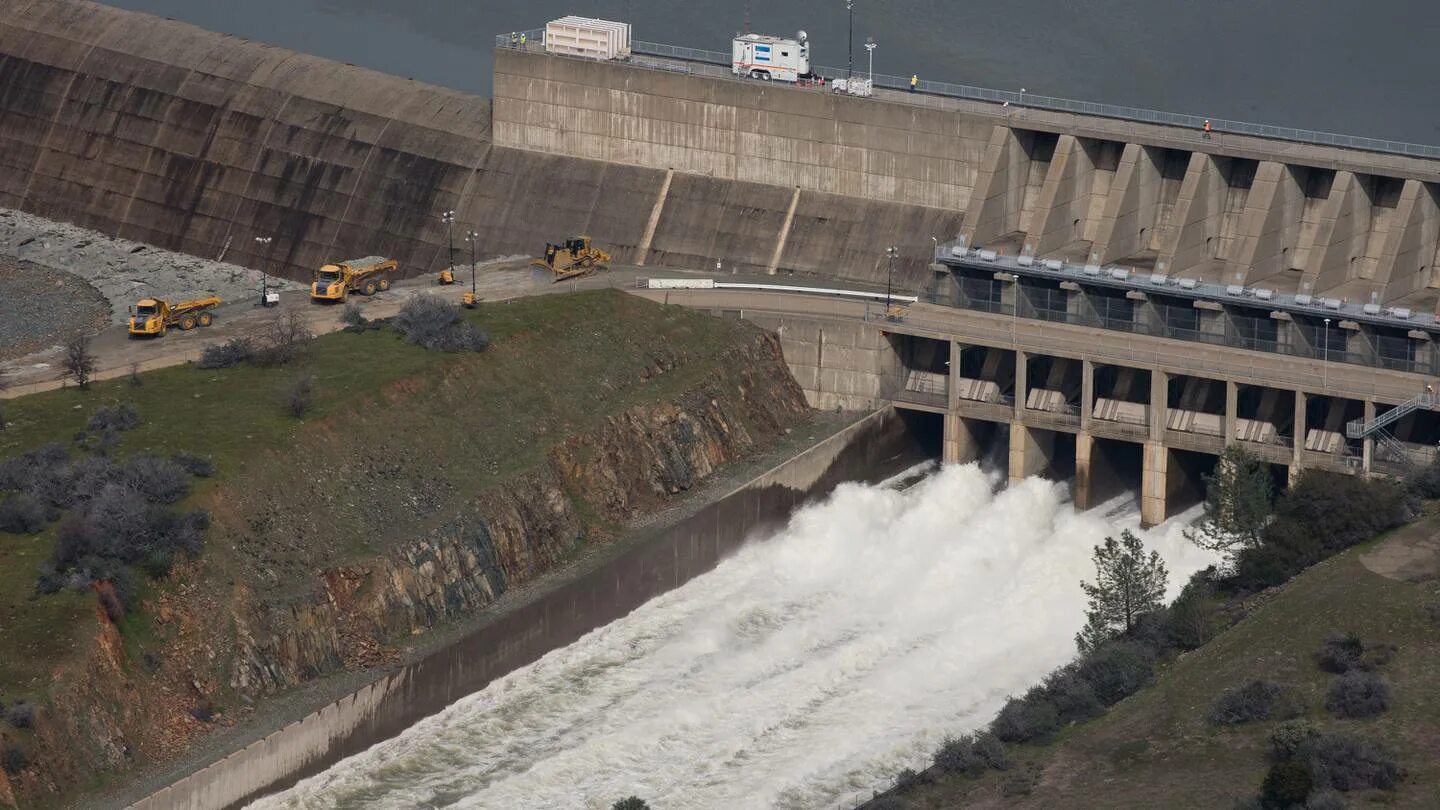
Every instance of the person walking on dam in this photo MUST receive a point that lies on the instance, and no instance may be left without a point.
(914, 80)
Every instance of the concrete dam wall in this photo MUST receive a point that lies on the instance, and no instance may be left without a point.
(161, 132)
(879, 445)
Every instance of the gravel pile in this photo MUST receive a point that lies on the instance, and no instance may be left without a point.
(123, 271)
(40, 307)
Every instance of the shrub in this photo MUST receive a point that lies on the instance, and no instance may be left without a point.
(1359, 694)
(439, 326)
(630, 803)
(111, 604)
(158, 562)
(1291, 737)
(1117, 669)
(1021, 782)
(15, 760)
(1340, 654)
(78, 362)
(198, 466)
(1033, 718)
(20, 715)
(887, 803)
(1073, 696)
(971, 755)
(120, 417)
(135, 379)
(909, 778)
(157, 480)
(21, 472)
(22, 514)
(1190, 621)
(1256, 700)
(1286, 785)
(351, 315)
(1325, 799)
(299, 396)
(1345, 762)
(230, 353)
(1433, 611)
(287, 341)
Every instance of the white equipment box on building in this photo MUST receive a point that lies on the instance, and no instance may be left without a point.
(764, 57)
(592, 39)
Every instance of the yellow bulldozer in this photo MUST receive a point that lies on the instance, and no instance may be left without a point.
(573, 258)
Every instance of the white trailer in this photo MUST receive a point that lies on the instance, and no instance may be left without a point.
(589, 38)
(765, 57)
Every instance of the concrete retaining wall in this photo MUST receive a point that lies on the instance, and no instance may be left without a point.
(877, 446)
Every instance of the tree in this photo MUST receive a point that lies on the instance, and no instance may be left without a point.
(79, 362)
(1238, 500)
(1127, 585)
(4, 384)
(630, 803)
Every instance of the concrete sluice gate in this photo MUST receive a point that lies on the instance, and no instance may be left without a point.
(877, 447)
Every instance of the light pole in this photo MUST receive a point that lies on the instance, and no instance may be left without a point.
(870, 47)
(1325, 364)
(890, 252)
(473, 238)
(449, 219)
(850, 40)
(264, 243)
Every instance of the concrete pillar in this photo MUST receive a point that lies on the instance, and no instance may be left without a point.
(1270, 224)
(1407, 262)
(1027, 455)
(1367, 448)
(784, 235)
(1127, 224)
(1059, 216)
(1299, 431)
(1084, 448)
(1153, 484)
(1087, 393)
(1195, 220)
(643, 249)
(960, 443)
(998, 195)
(1159, 403)
(1232, 409)
(1022, 383)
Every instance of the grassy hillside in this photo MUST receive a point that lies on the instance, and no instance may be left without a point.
(1156, 748)
(386, 414)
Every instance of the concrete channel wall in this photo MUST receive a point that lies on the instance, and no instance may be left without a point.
(875, 447)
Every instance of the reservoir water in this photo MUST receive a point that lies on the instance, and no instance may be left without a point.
(800, 673)
(1334, 65)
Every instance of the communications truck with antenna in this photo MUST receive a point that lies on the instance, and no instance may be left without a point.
(761, 56)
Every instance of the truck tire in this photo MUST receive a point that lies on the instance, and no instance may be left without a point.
(205, 319)
(370, 287)
(384, 283)
(187, 323)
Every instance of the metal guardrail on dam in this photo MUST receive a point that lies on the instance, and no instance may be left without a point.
(1039, 102)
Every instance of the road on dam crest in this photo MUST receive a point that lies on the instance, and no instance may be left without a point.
(803, 672)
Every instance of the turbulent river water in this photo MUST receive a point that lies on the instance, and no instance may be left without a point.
(801, 672)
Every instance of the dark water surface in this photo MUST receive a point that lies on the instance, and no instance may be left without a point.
(1360, 68)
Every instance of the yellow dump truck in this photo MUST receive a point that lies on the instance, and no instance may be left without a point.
(152, 316)
(365, 276)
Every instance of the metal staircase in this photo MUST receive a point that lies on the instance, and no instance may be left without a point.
(1385, 441)
(1360, 429)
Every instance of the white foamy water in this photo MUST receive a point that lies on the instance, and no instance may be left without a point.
(802, 671)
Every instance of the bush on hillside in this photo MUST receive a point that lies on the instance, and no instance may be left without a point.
(299, 396)
(630, 803)
(971, 755)
(20, 714)
(1359, 693)
(1286, 785)
(15, 760)
(1291, 737)
(22, 514)
(198, 466)
(233, 352)
(1346, 762)
(1033, 718)
(120, 417)
(1256, 700)
(1340, 654)
(888, 803)
(156, 479)
(1117, 670)
(1325, 799)
(436, 325)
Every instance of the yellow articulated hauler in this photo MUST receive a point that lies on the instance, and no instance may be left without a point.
(150, 317)
(364, 276)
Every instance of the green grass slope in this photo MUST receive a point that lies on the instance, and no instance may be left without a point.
(1156, 749)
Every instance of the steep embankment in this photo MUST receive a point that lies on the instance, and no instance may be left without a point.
(418, 489)
(159, 132)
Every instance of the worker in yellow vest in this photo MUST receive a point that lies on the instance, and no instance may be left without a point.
(914, 80)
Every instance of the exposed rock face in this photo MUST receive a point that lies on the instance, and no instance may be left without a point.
(224, 644)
